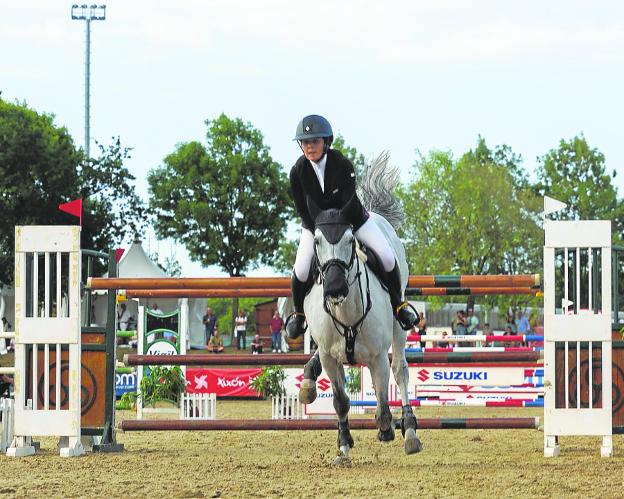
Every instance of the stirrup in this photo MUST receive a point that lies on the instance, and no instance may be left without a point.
(409, 319)
(295, 325)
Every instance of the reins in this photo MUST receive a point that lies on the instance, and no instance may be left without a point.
(349, 332)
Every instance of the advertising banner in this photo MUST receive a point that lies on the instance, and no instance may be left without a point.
(223, 382)
(125, 382)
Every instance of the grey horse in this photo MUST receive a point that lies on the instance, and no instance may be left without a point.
(349, 312)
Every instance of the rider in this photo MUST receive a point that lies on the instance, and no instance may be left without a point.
(328, 178)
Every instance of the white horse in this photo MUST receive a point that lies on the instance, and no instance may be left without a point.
(349, 312)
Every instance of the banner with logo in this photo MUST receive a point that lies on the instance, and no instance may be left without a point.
(125, 382)
(223, 382)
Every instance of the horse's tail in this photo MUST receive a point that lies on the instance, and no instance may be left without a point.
(376, 187)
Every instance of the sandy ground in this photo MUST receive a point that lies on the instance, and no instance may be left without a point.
(455, 463)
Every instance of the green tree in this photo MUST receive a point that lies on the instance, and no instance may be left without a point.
(576, 174)
(228, 202)
(351, 153)
(40, 167)
(474, 215)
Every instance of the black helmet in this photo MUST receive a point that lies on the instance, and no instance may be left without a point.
(313, 127)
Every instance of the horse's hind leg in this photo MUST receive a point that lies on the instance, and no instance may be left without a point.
(311, 371)
(380, 372)
(401, 376)
(335, 371)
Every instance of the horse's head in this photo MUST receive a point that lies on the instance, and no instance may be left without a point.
(334, 247)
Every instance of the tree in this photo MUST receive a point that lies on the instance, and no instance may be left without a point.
(40, 168)
(576, 174)
(228, 202)
(471, 216)
(351, 153)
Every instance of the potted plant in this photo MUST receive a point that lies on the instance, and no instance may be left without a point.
(270, 382)
(162, 384)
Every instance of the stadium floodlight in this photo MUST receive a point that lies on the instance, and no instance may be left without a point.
(88, 13)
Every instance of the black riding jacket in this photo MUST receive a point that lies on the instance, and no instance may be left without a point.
(339, 189)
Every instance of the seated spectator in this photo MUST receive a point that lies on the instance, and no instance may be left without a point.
(443, 344)
(256, 345)
(215, 343)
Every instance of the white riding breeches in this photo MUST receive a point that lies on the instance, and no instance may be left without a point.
(369, 234)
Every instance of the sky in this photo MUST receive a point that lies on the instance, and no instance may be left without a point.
(402, 76)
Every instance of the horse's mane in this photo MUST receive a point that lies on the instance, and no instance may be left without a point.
(375, 190)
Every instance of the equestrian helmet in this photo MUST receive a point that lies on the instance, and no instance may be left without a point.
(313, 127)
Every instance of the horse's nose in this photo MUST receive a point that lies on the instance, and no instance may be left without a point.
(335, 284)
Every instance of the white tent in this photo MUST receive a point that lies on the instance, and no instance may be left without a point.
(135, 263)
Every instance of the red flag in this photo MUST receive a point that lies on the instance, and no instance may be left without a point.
(73, 208)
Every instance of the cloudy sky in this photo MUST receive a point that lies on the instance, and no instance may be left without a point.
(396, 75)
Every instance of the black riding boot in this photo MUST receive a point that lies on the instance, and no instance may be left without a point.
(296, 323)
(403, 314)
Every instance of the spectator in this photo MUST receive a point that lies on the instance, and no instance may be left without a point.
(422, 324)
(523, 325)
(241, 329)
(215, 343)
(443, 344)
(473, 322)
(277, 324)
(511, 324)
(156, 310)
(487, 329)
(459, 327)
(210, 323)
(256, 345)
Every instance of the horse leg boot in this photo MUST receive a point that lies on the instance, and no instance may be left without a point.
(408, 429)
(403, 315)
(311, 371)
(295, 326)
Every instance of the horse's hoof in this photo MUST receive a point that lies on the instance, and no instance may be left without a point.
(412, 442)
(386, 435)
(307, 391)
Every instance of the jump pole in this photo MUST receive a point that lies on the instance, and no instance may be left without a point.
(301, 359)
(416, 281)
(283, 291)
(322, 424)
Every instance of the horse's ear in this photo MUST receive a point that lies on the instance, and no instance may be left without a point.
(349, 210)
(312, 208)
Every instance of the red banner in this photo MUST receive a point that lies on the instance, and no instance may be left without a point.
(223, 382)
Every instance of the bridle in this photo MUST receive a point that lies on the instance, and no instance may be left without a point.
(349, 332)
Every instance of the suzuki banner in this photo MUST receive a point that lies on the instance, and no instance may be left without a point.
(223, 382)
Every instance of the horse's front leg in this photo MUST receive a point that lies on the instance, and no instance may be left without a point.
(311, 371)
(380, 372)
(335, 371)
(401, 376)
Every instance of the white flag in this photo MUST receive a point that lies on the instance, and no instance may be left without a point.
(552, 205)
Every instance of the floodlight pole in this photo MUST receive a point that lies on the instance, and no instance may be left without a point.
(88, 13)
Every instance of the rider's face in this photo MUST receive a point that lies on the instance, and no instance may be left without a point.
(313, 149)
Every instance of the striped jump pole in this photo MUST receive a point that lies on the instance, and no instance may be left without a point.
(415, 281)
(456, 403)
(472, 349)
(487, 338)
(280, 292)
(301, 359)
(322, 424)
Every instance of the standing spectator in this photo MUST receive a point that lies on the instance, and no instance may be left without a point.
(156, 309)
(210, 321)
(524, 327)
(277, 324)
(511, 324)
(241, 329)
(215, 343)
(256, 345)
(473, 322)
(459, 327)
